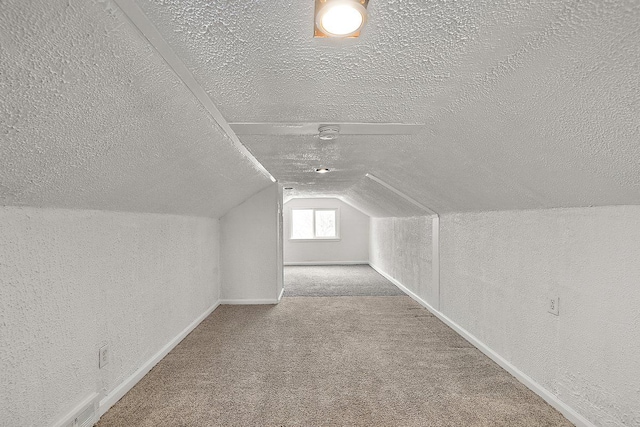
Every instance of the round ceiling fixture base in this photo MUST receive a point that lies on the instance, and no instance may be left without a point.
(328, 133)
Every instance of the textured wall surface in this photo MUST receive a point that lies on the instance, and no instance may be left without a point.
(354, 235)
(249, 248)
(499, 268)
(71, 281)
(402, 248)
(527, 104)
(92, 117)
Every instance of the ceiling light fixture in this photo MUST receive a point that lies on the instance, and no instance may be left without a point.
(328, 133)
(340, 18)
(322, 170)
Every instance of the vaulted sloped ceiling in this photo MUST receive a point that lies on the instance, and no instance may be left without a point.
(526, 104)
(91, 117)
(376, 200)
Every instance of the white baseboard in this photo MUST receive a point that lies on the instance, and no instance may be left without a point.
(87, 406)
(249, 301)
(281, 294)
(327, 263)
(545, 394)
(109, 400)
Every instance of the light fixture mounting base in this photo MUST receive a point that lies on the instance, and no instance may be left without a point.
(328, 132)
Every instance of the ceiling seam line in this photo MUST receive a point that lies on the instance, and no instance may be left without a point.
(401, 194)
(147, 30)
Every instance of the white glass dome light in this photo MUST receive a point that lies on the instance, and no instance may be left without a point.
(341, 18)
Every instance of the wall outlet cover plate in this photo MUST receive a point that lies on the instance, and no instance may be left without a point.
(553, 306)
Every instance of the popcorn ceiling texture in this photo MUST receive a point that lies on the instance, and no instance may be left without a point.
(378, 201)
(527, 104)
(259, 59)
(91, 117)
(72, 281)
(499, 268)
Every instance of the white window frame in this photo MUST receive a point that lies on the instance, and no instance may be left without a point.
(315, 239)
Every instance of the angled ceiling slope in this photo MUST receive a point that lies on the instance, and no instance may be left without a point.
(526, 104)
(93, 117)
(378, 199)
(374, 198)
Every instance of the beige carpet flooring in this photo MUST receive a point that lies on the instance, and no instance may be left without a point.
(336, 280)
(346, 361)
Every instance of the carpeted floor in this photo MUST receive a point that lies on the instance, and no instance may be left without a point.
(336, 280)
(349, 361)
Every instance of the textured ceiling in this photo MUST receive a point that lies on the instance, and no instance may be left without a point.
(259, 61)
(527, 104)
(91, 117)
(377, 201)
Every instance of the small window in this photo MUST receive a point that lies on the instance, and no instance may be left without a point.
(312, 224)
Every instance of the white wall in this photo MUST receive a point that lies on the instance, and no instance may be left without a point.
(402, 249)
(498, 268)
(75, 280)
(280, 243)
(249, 249)
(353, 246)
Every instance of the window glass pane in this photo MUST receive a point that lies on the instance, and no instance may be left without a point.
(302, 223)
(325, 223)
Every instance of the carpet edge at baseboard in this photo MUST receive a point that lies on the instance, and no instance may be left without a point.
(310, 263)
(249, 301)
(553, 400)
(117, 393)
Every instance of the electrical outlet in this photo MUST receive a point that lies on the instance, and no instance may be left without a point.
(554, 306)
(103, 356)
